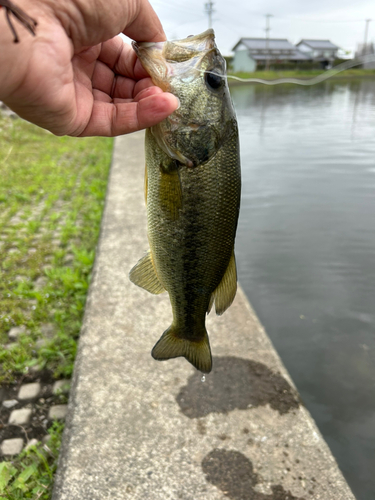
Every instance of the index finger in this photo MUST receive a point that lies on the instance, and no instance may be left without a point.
(144, 25)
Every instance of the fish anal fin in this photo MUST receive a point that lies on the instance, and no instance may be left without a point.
(226, 290)
(172, 345)
(211, 303)
(143, 274)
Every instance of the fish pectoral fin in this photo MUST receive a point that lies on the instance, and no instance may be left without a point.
(170, 194)
(144, 275)
(172, 345)
(226, 290)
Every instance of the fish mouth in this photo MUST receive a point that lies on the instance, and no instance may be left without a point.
(161, 59)
(151, 56)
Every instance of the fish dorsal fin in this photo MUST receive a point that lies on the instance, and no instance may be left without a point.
(226, 290)
(143, 274)
(170, 191)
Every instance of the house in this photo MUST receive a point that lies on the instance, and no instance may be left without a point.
(252, 52)
(323, 51)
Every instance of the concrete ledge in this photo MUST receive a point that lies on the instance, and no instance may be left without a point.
(142, 429)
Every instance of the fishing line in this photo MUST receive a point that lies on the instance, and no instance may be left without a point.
(311, 81)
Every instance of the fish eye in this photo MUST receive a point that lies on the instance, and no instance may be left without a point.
(213, 80)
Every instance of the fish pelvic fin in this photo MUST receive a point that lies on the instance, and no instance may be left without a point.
(225, 292)
(172, 345)
(144, 275)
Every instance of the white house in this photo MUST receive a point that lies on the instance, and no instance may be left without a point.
(323, 51)
(249, 52)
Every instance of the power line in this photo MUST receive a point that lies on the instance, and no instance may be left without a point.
(330, 21)
(291, 17)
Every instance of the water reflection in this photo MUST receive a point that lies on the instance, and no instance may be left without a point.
(306, 246)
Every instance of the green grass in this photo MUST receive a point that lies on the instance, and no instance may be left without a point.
(52, 193)
(31, 474)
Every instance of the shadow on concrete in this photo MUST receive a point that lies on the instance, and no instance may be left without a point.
(234, 475)
(236, 383)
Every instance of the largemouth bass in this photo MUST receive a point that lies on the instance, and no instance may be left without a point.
(192, 190)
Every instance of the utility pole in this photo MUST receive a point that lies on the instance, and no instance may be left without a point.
(267, 30)
(209, 11)
(366, 34)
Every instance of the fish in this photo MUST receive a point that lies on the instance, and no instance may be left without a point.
(192, 192)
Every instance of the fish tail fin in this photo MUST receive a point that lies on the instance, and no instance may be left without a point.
(172, 345)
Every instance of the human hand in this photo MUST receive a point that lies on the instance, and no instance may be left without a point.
(76, 77)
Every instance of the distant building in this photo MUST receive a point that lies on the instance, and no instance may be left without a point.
(323, 51)
(249, 53)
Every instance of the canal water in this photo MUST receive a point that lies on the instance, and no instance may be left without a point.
(306, 250)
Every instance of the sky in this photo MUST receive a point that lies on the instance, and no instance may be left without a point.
(341, 21)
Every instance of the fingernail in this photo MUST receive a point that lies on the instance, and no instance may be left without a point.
(179, 102)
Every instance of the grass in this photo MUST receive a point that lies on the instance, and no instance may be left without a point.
(31, 474)
(52, 194)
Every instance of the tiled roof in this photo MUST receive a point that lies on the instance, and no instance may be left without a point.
(319, 44)
(261, 43)
(274, 44)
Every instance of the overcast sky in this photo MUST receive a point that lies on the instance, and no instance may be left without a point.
(341, 21)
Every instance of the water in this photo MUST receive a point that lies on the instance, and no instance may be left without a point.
(306, 251)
